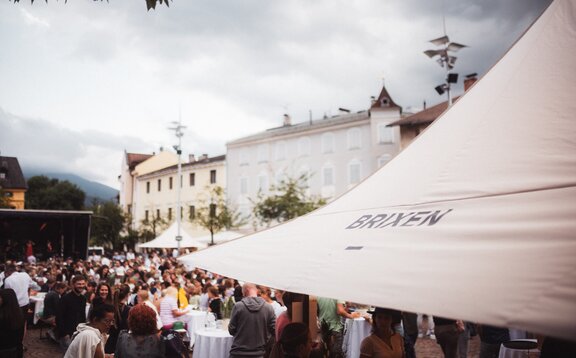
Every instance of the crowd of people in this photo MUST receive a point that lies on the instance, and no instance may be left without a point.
(129, 305)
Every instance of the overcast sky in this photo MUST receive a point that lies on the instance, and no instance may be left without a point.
(82, 82)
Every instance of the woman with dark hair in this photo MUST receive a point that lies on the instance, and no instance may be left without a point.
(11, 325)
(121, 310)
(103, 294)
(143, 339)
(295, 341)
(383, 342)
(89, 338)
(215, 302)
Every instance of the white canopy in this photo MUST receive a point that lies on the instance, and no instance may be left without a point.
(168, 239)
(219, 237)
(475, 220)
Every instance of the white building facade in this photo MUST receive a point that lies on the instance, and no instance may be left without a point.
(335, 153)
(155, 193)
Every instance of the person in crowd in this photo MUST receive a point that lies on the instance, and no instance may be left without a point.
(102, 274)
(490, 340)
(295, 341)
(89, 339)
(330, 314)
(144, 298)
(71, 311)
(169, 311)
(103, 294)
(29, 251)
(203, 301)
(11, 325)
(51, 302)
(286, 317)
(20, 282)
(410, 324)
(142, 340)
(215, 302)
(252, 324)
(384, 342)
(90, 291)
(266, 293)
(121, 310)
(447, 333)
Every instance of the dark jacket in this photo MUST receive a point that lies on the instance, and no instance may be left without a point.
(71, 312)
(252, 324)
(51, 304)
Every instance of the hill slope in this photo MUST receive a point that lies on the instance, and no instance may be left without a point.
(93, 190)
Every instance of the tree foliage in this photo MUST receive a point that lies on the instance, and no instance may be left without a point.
(214, 214)
(289, 200)
(4, 200)
(149, 229)
(107, 224)
(150, 4)
(52, 194)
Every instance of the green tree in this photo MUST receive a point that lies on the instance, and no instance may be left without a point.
(149, 229)
(4, 200)
(107, 224)
(214, 214)
(289, 200)
(51, 194)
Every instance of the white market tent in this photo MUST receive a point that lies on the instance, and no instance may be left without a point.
(219, 237)
(474, 220)
(168, 239)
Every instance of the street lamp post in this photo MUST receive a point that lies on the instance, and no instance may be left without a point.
(447, 61)
(178, 127)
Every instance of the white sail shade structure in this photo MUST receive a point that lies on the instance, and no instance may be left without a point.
(475, 220)
(168, 239)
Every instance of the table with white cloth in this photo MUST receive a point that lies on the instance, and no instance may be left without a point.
(38, 301)
(212, 343)
(355, 331)
(195, 320)
(519, 353)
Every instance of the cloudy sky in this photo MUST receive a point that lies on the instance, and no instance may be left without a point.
(82, 82)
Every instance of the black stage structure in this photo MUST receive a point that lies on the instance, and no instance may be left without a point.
(52, 232)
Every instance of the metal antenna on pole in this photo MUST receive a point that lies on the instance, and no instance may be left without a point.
(178, 131)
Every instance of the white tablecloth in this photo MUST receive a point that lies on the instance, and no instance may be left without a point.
(195, 321)
(38, 301)
(356, 330)
(518, 353)
(212, 343)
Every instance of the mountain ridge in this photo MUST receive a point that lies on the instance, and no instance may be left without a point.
(93, 189)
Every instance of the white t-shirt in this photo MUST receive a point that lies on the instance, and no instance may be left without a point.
(278, 308)
(106, 261)
(120, 271)
(85, 342)
(19, 282)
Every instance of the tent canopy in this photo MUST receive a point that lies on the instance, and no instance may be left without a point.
(476, 219)
(168, 239)
(219, 237)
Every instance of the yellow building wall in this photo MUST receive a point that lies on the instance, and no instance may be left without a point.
(17, 199)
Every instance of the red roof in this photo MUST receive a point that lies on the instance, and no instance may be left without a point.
(428, 115)
(133, 159)
(384, 100)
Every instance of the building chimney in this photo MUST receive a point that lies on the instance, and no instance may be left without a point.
(287, 120)
(204, 157)
(191, 158)
(470, 80)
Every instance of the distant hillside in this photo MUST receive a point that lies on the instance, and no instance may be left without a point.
(92, 189)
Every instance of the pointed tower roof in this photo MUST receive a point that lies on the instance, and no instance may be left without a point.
(384, 101)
